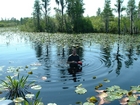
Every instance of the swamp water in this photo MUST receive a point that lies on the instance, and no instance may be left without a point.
(107, 60)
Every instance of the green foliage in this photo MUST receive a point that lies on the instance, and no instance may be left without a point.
(72, 21)
(107, 14)
(75, 11)
(27, 25)
(131, 12)
(16, 87)
(97, 24)
(37, 16)
(9, 23)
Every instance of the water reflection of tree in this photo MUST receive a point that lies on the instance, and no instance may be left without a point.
(43, 56)
(38, 49)
(130, 59)
(106, 55)
(118, 59)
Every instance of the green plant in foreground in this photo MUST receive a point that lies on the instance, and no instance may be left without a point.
(17, 87)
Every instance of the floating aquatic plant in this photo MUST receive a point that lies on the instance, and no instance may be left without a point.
(44, 78)
(80, 90)
(51, 104)
(94, 77)
(135, 88)
(1, 68)
(18, 100)
(3, 98)
(115, 92)
(29, 96)
(92, 99)
(17, 87)
(36, 64)
(88, 103)
(106, 80)
(30, 72)
(36, 87)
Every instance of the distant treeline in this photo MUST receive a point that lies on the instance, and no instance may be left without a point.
(72, 20)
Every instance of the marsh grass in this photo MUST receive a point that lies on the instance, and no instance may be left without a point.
(17, 87)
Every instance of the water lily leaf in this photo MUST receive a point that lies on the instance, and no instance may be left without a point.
(44, 78)
(51, 104)
(26, 67)
(110, 89)
(18, 100)
(18, 103)
(3, 98)
(2, 89)
(100, 84)
(132, 98)
(1, 68)
(36, 87)
(34, 68)
(132, 103)
(29, 96)
(137, 88)
(10, 69)
(80, 90)
(97, 87)
(113, 88)
(30, 72)
(109, 98)
(79, 103)
(102, 95)
(122, 91)
(113, 96)
(92, 99)
(88, 103)
(116, 87)
(36, 64)
(40, 103)
(106, 80)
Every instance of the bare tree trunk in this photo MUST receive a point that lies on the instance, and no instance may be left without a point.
(131, 23)
(119, 17)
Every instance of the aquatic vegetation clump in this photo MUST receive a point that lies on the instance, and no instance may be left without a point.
(17, 87)
(116, 93)
(80, 90)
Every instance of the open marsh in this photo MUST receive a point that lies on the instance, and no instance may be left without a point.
(110, 57)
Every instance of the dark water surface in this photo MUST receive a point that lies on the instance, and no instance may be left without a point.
(102, 57)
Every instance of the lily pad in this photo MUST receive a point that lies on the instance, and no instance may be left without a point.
(36, 87)
(92, 99)
(106, 80)
(40, 103)
(132, 103)
(29, 95)
(132, 98)
(1, 68)
(18, 100)
(80, 90)
(51, 104)
(3, 98)
(136, 88)
(88, 103)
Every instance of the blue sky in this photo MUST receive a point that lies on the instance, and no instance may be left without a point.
(24, 8)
